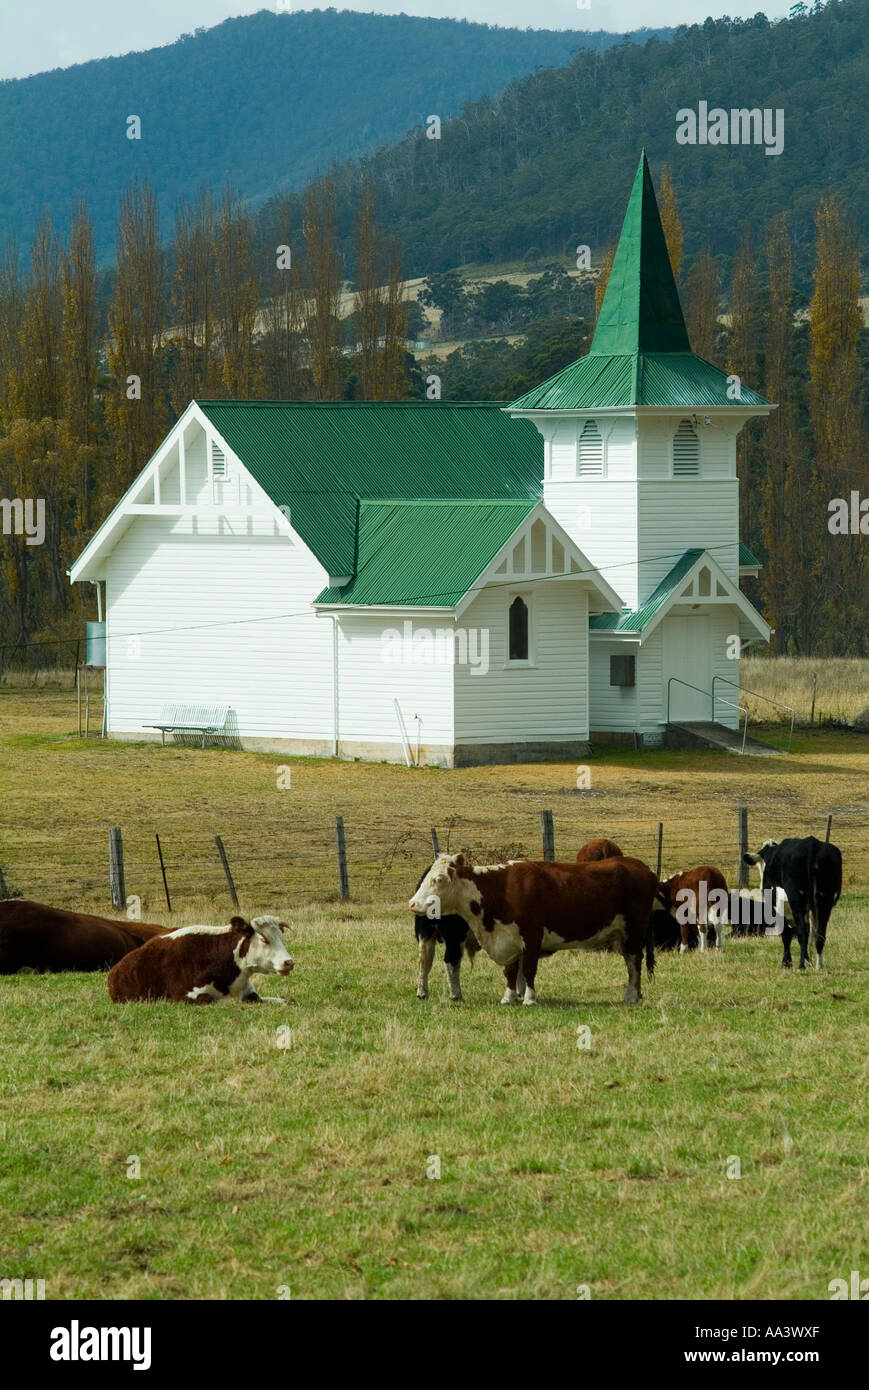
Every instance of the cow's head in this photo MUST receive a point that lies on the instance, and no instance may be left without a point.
(440, 893)
(664, 891)
(762, 857)
(264, 950)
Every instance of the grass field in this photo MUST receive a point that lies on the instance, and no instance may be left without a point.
(290, 1148)
(839, 685)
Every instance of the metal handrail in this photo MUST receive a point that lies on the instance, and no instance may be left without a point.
(733, 705)
(701, 691)
(745, 691)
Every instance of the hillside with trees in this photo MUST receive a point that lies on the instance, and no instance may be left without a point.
(543, 167)
(264, 102)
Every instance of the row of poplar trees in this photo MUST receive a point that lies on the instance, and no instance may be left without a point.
(95, 367)
(814, 585)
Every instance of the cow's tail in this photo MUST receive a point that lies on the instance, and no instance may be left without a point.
(813, 901)
(650, 947)
(468, 950)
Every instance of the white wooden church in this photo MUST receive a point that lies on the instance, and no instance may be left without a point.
(448, 584)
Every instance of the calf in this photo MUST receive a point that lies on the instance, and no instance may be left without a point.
(687, 896)
(457, 939)
(34, 937)
(809, 873)
(521, 911)
(202, 964)
(667, 934)
(598, 849)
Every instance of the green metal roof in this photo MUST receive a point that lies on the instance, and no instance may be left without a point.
(640, 353)
(321, 459)
(635, 620)
(641, 310)
(679, 379)
(427, 553)
(746, 558)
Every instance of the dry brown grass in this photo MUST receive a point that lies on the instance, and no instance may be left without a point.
(61, 795)
(841, 686)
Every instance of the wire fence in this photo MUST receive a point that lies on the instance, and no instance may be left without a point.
(382, 865)
(26, 662)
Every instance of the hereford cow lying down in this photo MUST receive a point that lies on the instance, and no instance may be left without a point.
(521, 911)
(202, 964)
(34, 937)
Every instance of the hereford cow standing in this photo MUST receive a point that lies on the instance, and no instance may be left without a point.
(202, 964)
(809, 873)
(34, 937)
(521, 911)
(686, 896)
(598, 849)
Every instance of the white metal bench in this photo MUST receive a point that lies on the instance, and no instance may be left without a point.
(191, 719)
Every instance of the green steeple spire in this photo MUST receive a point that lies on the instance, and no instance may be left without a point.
(640, 354)
(641, 310)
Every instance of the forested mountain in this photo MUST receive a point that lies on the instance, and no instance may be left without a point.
(543, 167)
(263, 102)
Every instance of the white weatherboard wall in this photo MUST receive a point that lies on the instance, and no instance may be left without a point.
(546, 701)
(612, 708)
(678, 514)
(635, 521)
(189, 606)
(600, 515)
(650, 687)
(686, 514)
(369, 685)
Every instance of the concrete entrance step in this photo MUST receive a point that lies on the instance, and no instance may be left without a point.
(705, 734)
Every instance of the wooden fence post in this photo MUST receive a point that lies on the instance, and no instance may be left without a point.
(116, 868)
(163, 872)
(548, 834)
(659, 862)
(341, 846)
(829, 828)
(742, 814)
(225, 862)
(435, 846)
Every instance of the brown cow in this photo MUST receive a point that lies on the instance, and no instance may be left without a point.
(688, 897)
(202, 964)
(34, 937)
(598, 849)
(521, 911)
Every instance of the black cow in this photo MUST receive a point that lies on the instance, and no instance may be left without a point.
(809, 873)
(458, 940)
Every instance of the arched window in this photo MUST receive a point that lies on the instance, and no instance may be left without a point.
(518, 637)
(686, 451)
(590, 451)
